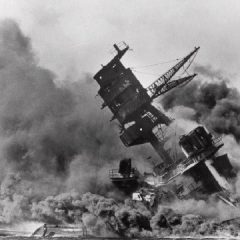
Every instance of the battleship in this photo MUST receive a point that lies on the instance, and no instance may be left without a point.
(207, 172)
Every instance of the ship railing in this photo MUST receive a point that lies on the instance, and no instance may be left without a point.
(177, 169)
(217, 141)
(114, 173)
(207, 151)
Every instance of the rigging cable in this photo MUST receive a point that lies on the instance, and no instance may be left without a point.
(190, 62)
(155, 64)
(147, 73)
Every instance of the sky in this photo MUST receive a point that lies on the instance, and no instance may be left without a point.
(72, 37)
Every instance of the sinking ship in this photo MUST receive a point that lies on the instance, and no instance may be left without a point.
(142, 123)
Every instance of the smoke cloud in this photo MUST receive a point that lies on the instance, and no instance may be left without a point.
(56, 146)
(215, 104)
(53, 135)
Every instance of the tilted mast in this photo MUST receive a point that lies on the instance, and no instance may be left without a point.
(131, 104)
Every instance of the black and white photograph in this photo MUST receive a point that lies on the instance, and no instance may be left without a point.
(119, 119)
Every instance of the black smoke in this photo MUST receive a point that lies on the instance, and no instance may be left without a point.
(53, 135)
(106, 217)
(215, 103)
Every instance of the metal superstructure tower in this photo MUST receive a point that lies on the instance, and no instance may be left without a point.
(131, 104)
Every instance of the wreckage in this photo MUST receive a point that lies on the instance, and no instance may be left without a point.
(141, 122)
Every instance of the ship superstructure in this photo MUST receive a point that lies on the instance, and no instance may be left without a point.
(141, 122)
(131, 104)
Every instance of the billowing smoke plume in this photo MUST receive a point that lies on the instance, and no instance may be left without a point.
(43, 127)
(106, 217)
(53, 135)
(215, 104)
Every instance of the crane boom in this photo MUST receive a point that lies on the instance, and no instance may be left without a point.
(152, 89)
(165, 87)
